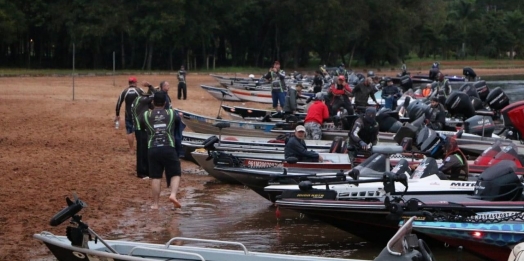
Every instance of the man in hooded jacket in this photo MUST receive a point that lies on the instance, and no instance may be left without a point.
(454, 164)
(364, 133)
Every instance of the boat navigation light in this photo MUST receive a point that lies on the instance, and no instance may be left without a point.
(477, 234)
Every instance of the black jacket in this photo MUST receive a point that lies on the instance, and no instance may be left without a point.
(362, 93)
(296, 147)
(363, 132)
(436, 117)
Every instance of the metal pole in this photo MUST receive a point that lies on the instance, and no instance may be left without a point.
(73, 71)
(114, 68)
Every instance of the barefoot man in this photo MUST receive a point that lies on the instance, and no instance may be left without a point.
(160, 125)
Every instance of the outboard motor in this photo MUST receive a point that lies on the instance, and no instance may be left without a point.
(499, 183)
(497, 99)
(407, 130)
(479, 125)
(406, 83)
(477, 103)
(508, 153)
(225, 160)
(459, 103)
(513, 115)
(488, 154)
(427, 167)
(416, 109)
(468, 89)
(430, 143)
(402, 167)
(482, 89)
(374, 166)
(469, 73)
(387, 122)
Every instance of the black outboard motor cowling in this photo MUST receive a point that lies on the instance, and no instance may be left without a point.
(374, 166)
(459, 103)
(477, 103)
(401, 167)
(225, 160)
(497, 99)
(385, 120)
(479, 124)
(427, 167)
(482, 89)
(430, 143)
(468, 89)
(499, 183)
(416, 109)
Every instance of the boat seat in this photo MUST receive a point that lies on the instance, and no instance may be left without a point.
(485, 113)
(222, 125)
(388, 150)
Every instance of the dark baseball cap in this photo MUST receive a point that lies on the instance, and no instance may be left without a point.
(435, 99)
(160, 97)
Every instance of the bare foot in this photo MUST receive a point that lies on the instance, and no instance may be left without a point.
(154, 206)
(175, 202)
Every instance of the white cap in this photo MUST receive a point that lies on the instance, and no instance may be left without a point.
(251, 76)
(300, 128)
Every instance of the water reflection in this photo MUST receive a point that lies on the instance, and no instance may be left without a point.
(234, 213)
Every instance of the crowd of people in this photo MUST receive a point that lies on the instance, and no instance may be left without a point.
(151, 121)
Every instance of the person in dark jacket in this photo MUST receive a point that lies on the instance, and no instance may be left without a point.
(296, 147)
(363, 91)
(140, 105)
(436, 115)
(127, 96)
(364, 133)
(318, 81)
(164, 86)
(391, 93)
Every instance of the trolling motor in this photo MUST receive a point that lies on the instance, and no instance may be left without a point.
(80, 234)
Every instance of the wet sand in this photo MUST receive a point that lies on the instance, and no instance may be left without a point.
(53, 146)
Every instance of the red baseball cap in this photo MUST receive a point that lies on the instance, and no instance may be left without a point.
(132, 79)
(341, 77)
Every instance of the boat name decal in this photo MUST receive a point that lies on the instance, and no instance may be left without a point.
(462, 184)
(495, 215)
(309, 195)
(257, 164)
(188, 139)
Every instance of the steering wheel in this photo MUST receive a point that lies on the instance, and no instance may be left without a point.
(427, 255)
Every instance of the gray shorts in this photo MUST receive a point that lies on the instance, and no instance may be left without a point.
(313, 131)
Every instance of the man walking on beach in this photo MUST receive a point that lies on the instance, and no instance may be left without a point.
(128, 95)
(160, 125)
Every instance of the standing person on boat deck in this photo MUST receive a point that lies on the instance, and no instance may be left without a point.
(364, 133)
(318, 82)
(339, 94)
(363, 91)
(127, 96)
(296, 147)
(316, 115)
(290, 105)
(278, 85)
(161, 124)
(182, 86)
(441, 88)
(391, 93)
(435, 117)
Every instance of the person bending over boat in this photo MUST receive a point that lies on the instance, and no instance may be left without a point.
(364, 133)
(339, 94)
(316, 115)
(363, 91)
(296, 147)
(391, 93)
(436, 115)
(455, 163)
(160, 125)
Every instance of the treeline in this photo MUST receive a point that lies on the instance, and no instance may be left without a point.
(164, 34)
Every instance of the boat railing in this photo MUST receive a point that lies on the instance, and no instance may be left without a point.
(208, 241)
(49, 234)
(131, 253)
(396, 244)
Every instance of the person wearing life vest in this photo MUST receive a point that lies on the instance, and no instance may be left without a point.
(278, 85)
(455, 164)
(339, 94)
(441, 88)
(427, 90)
(435, 116)
(363, 134)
